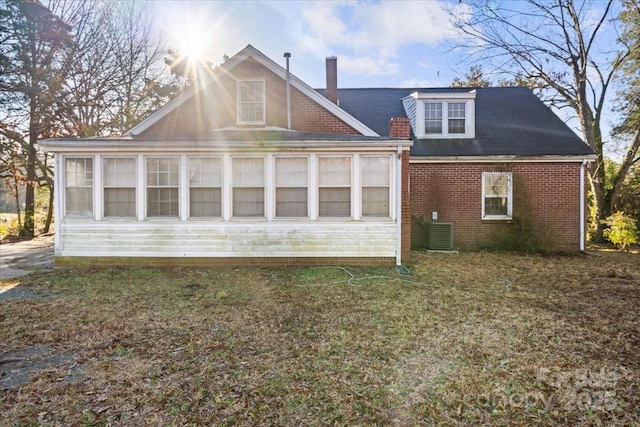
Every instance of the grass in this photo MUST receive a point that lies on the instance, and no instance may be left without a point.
(469, 339)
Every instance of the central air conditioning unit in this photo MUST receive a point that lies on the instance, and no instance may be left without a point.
(440, 236)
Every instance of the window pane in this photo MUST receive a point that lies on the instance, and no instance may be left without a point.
(248, 202)
(375, 171)
(162, 202)
(291, 172)
(205, 202)
(375, 201)
(79, 172)
(162, 172)
(251, 101)
(291, 202)
(334, 171)
(497, 185)
(248, 172)
(119, 202)
(120, 172)
(335, 202)
(79, 186)
(79, 201)
(433, 117)
(495, 206)
(205, 172)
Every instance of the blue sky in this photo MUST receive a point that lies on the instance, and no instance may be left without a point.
(378, 44)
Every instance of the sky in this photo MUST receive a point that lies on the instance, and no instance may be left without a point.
(377, 43)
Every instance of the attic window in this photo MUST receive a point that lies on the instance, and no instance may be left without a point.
(442, 115)
(251, 105)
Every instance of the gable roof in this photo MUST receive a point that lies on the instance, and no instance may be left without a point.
(227, 67)
(510, 121)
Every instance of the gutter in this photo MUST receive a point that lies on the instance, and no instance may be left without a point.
(399, 207)
(583, 166)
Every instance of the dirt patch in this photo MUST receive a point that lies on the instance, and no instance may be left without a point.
(18, 367)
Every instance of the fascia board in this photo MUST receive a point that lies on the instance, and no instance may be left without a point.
(62, 146)
(510, 159)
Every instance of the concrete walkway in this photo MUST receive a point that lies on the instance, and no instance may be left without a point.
(21, 258)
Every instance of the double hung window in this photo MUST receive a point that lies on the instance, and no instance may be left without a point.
(375, 186)
(205, 186)
(163, 179)
(79, 186)
(119, 187)
(334, 186)
(251, 102)
(248, 186)
(445, 118)
(497, 195)
(291, 186)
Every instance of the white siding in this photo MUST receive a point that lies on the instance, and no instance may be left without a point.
(222, 239)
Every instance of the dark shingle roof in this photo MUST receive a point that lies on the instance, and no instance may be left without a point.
(510, 121)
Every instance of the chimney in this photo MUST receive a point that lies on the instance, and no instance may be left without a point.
(332, 79)
(400, 127)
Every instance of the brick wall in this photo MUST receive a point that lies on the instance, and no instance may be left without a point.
(406, 208)
(548, 191)
(215, 108)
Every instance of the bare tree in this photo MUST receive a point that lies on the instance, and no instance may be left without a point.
(564, 45)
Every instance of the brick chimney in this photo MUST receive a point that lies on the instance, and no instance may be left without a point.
(400, 127)
(332, 79)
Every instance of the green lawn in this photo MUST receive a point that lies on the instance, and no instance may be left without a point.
(469, 339)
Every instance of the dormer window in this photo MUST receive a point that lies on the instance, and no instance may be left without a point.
(251, 105)
(442, 115)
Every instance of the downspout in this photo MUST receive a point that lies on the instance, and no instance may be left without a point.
(399, 208)
(582, 217)
(287, 55)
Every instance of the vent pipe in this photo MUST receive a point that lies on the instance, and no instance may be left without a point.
(287, 55)
(332, 79)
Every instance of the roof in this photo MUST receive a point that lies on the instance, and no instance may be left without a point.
(510, 121)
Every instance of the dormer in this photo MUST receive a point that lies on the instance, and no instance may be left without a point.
(442, 115)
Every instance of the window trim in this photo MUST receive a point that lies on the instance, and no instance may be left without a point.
(275, 185)
(468, 98)
(351, 186)
(363, 185)
(509, 195)
(146, 186)
(190, 187)
(239, 104)
(233, 186)
(104, 159)
(89, 215)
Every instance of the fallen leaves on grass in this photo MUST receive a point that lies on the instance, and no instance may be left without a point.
(474, 338)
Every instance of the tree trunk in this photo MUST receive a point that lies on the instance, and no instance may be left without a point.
(47, 224)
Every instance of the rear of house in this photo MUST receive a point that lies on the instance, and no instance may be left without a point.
(251, 166)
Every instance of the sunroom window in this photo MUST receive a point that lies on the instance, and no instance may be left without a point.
(497, 195)
(334, 186)
(375, 186)
(291, 187)
(119, 187)
(79, 186)
(248, 186)
(205, 186)
(251, 102)
(163, 178)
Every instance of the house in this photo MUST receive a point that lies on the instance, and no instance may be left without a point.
(253, 166)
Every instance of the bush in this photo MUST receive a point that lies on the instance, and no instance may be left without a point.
(622, 231)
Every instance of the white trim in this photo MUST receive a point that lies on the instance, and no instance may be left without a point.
(498, 159)
(443, 95)
(509, 214)
(251, 52)
(582, 214)
(222, 146)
